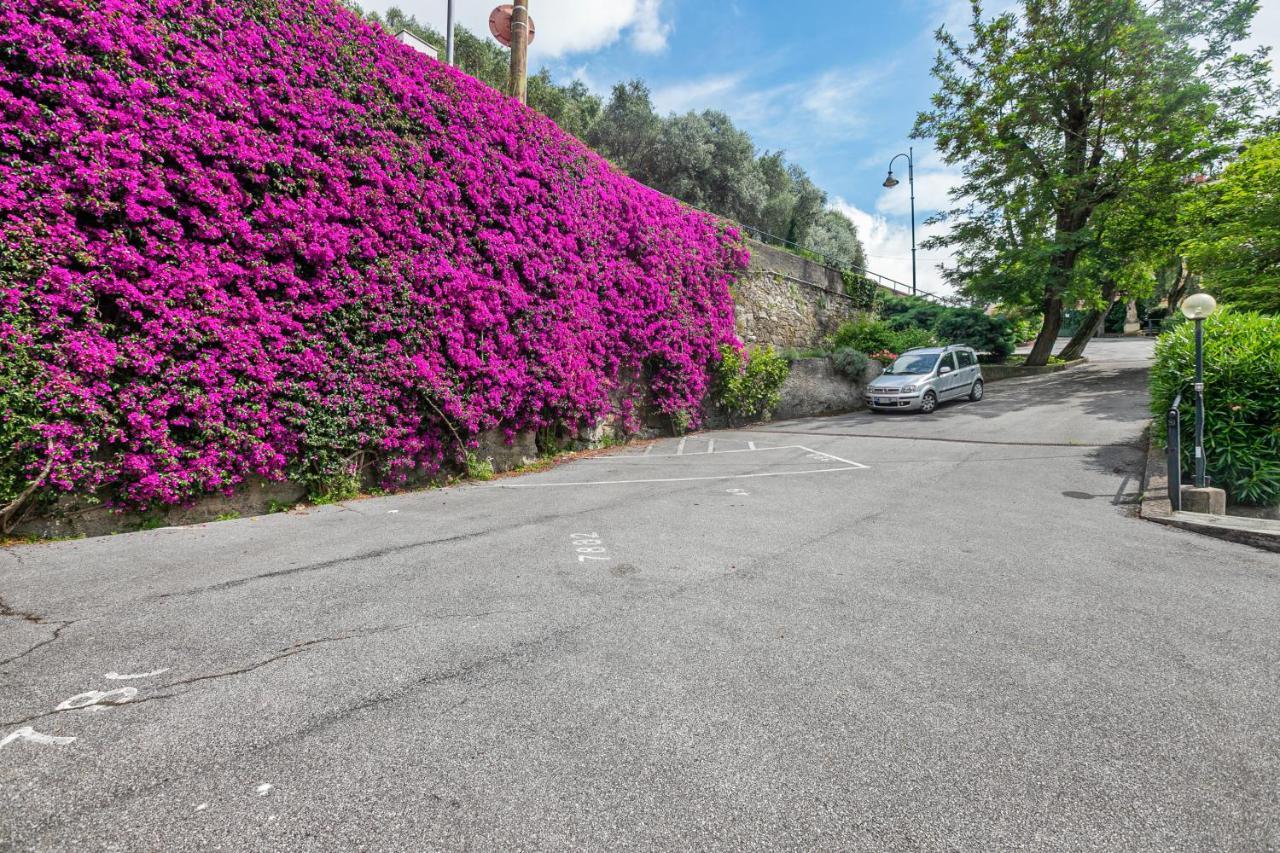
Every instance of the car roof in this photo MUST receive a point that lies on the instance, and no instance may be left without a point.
(938, 350)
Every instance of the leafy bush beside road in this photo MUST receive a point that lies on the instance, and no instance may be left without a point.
(748, 385)
(870, 334)
(1242, 401)
(975, 328)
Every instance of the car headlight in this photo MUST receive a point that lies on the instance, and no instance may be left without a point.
(908, 389)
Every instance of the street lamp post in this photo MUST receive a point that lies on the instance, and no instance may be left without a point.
(1196, 308)
(448, 39)
(891, 182)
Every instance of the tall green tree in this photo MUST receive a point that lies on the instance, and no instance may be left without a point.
(1063, 107)
(835, 236)
(1233, 228)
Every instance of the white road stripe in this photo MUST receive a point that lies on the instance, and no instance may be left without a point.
(751, 445)
(711, 446)
(115, 676)
(695, 453)
(680, 449)
(677, 479)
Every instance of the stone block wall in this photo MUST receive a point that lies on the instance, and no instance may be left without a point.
(787, 301)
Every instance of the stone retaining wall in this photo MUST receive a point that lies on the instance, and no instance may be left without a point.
(784, 300)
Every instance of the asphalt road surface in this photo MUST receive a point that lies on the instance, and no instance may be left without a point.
(858, 633)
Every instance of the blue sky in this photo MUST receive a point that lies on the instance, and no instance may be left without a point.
(835, 85)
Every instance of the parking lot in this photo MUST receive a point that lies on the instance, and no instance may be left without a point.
(859, 633)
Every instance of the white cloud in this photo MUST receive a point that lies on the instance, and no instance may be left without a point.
(695, 95)
(1266, 33)
(824, 105)
(562, 26)
(888, 248)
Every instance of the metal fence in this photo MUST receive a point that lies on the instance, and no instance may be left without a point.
(1173, 450)
(896, 287)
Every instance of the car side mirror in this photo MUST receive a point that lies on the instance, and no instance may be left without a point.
(943, 371)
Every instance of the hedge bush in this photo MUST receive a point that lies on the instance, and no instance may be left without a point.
(1242, 401)
(870, 334)
(994, 335)
(264, 238)
(748, 385)
(851, 363)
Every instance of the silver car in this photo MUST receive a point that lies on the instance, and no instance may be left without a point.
(920, 379)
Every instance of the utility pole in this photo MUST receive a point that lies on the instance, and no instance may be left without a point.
(448, 38)
(519, 84)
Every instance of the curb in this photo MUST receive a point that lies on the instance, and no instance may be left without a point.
(998, 372)
(1155, 507)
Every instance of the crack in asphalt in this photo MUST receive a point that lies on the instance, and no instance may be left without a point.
(7, 610)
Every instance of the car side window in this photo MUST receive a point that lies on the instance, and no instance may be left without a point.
(966, 358)
(949, 360)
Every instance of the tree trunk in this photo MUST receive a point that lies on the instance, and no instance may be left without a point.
(1090, 327)
(1182, 277)
(1043, 347)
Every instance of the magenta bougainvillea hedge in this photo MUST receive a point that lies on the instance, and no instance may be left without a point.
(261, 237)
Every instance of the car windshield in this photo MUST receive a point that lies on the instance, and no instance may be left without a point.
(913, 365)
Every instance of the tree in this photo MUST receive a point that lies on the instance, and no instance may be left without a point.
(573, 107)
(1234, 230)
(627, 130)
(835, 236)
(1068, 106)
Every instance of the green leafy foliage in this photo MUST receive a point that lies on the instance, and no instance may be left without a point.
(904, 312)
(479, 469)
(1242, 401)
(864, 292)
(851, 363)
(749, 385)
(1234, 224)
(1058, 112)
(871, 334)
(975, 328)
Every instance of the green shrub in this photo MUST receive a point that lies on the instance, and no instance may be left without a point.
(749, 385)
(479, 469)
(976, 329)
(850, 363)
(904, 312)
(869, 334)
(864, 292)
(1242, 401)
(912, 339)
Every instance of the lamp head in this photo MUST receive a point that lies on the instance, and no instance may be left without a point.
(1198, 306)
(891, 182)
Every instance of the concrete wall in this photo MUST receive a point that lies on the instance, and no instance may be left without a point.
(787, 301)
(814, 387)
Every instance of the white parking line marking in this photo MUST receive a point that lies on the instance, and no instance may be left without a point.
(119, 696)
(702, 453)
(28, 733)
(751, 445)
(680, 449)
(832, 458)
(115, 676)
(854, 467)
(711, 446)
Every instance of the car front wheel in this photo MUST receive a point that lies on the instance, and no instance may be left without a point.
(975, 394)
(928, 402)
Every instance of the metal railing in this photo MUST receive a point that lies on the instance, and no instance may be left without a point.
(894, 286)
(1173, 451)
